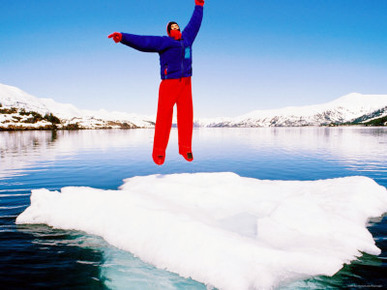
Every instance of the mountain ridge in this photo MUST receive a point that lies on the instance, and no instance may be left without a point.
(69, 115)
(20, 110)
(344, 110)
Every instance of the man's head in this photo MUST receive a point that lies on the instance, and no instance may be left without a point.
(173, 30)
(172, 26)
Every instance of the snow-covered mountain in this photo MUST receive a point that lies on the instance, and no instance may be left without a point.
(352, 108)
(69, 115)
(21, 110)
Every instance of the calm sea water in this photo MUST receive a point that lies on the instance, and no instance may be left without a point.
(37, 256)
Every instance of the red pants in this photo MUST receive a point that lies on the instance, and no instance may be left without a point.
(179, 92)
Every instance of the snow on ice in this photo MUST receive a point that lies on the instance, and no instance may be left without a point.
(224, 230)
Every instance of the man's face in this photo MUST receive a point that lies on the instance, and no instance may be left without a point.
(175, 27)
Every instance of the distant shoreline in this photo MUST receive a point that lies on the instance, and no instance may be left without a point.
(50, 128)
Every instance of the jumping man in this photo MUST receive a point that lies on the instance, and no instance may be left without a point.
(175, 52)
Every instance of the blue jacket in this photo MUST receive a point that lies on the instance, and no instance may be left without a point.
(175, 55)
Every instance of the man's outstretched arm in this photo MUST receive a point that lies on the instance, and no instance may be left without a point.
(140, 42)
(193, 26)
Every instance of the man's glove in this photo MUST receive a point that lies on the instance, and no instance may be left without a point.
(117, 37)
(199, 2)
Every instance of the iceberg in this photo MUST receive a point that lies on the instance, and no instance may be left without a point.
(224, 230)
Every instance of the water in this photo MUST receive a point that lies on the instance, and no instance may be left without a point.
(37, 256)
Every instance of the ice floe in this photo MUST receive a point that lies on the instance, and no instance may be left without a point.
(222, 229)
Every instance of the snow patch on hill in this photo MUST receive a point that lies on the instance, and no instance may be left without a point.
(12, 97)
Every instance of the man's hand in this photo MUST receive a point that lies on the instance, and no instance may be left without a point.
(199, 2)
(117, 37)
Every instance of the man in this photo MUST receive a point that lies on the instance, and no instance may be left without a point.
(175, 52)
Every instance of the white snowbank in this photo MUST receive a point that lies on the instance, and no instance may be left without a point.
(222, 229)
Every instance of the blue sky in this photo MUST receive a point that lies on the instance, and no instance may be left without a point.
(249, 54)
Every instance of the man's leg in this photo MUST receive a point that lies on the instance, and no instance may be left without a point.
(167, 98)
(185, 119)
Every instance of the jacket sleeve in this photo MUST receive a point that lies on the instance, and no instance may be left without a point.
(192, 28)
(145, 43)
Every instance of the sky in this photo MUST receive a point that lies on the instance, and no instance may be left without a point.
(249, 54)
